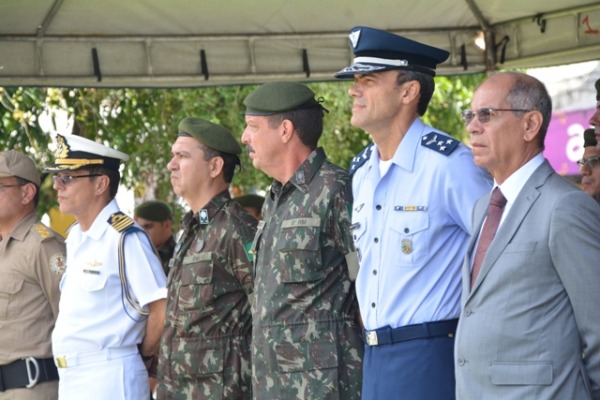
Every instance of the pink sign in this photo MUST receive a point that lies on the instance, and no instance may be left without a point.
(564, 140)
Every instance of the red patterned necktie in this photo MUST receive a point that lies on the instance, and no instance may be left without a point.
(495, 209)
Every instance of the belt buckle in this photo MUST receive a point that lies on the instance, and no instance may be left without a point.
(33, 371)
(61, 361)
(372, 338)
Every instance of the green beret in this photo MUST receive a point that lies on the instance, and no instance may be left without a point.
(589, 138)
(277, 97)
(211, 135)
(153, 210)
(597, 84)
(250, 200)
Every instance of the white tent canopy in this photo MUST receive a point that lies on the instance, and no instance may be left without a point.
(179, 43)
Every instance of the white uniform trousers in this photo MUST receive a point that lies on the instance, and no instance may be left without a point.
(124, 378)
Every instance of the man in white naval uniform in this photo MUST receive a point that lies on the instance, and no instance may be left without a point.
(112, 305)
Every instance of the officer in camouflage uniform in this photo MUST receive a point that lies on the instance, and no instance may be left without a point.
(306, 335)
(205, 348)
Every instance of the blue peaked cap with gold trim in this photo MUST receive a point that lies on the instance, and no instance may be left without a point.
(376, 50)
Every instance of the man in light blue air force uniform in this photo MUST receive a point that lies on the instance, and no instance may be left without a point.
(414, 191)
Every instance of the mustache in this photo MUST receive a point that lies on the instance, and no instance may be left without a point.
(249, 149)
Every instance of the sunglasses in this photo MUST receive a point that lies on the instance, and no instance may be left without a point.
(485, 113)
(590, 162)
(65, 180)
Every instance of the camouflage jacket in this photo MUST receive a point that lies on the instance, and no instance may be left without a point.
(205, 347)
(165, 253)
(306, 337)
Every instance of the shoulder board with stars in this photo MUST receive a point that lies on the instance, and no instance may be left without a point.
(441, 143)
(121, 222)
(360, 159)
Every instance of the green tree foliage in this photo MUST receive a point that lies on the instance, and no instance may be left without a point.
(143, 123)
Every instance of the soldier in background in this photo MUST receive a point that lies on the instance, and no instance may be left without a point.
(252, 203)
(589, 165)
(306, 335)
(156, 217)
(32, 261)
(205, 349)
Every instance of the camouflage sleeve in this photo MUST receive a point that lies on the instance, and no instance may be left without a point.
(339, 221)
(241, 257)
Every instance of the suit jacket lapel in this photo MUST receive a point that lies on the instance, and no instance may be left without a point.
(479, 214)
(525, 200)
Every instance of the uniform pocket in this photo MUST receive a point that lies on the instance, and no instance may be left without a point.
(409, 230)
(196, 291)
(92, 280)
(308, 370)
(299, 250)
(521, 373)
(527, 247)
(8, 288)
(202, 362)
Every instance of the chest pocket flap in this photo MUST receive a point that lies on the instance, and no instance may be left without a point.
(10, 286)
(299, 250)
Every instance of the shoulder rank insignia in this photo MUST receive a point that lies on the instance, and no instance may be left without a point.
(42, 231)
(120, 221)
(441, 143)
(360, 159)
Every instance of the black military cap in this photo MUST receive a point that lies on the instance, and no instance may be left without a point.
(277, 97)
(211, 135)
(376, 50)
(589, 138)
(250, 200)
(154, 210)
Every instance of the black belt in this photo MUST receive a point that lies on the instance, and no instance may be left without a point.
(387, 335)
(27, 372)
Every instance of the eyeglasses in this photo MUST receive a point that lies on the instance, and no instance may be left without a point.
(590, 162)
(485, 113)
(66, 180)
(9, 186)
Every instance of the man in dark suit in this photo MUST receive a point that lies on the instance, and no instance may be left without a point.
(529, 327)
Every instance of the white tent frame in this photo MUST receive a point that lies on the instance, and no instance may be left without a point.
(187, 43)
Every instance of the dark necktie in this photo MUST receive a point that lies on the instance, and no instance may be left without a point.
(495, 209)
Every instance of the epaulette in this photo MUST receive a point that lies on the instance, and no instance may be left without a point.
(441, 143)
(360, 159)
(121, 222)
(44, 232)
